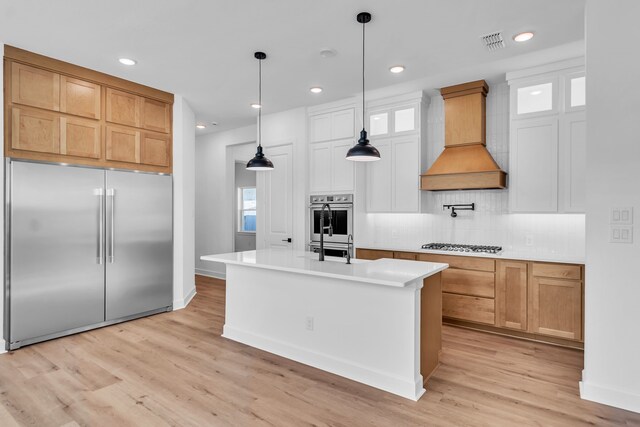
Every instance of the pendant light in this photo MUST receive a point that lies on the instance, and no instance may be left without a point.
(363, 151)
(260, 162)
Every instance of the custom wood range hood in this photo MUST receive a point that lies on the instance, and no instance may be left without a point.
(465, 163)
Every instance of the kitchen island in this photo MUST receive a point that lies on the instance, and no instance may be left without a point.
(376, 322)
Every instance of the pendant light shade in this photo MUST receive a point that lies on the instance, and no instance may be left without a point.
(363, 151)
(259, 161)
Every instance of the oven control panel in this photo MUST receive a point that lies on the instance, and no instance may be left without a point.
(332, 198)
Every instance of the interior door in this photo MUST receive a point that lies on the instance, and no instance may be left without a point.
(56, 277)
(139, 249)
(278, 198)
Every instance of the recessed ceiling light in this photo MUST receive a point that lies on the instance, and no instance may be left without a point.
(328, 53)
(315, 89)
(523, 37)
(536, 92)
(200, 126)
(214, 123)
(127, 61)
(397, 69)
(256, 105)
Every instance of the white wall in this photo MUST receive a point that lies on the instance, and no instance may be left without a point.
(214, 197)
(612, 342)
(2, 343)
(184, 125)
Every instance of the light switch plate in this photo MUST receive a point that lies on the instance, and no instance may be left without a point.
(622, 215)
(621, 234)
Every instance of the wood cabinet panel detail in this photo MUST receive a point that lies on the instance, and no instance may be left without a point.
(155, 115)
(511, 295)
(123, 145)
(464, 120)
(80, 137)
(469, 282)
(558, 271)
(35, 87)
(123, 108)
(405, 255)
(373, 254)
(467, 263)
(35, 130)
(155, 149)
(474, 309)
(80, 98)
(556, 308)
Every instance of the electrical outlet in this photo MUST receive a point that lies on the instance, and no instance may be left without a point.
(394, 233)
(528, 239)
(621, 234)
(621, 215)
(309, 323)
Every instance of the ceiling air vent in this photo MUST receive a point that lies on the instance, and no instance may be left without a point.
(493, 41)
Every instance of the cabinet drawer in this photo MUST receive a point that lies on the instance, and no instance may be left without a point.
(558, 271)
(373, 254)
(463, 307)
(405, 255)
(467, 263)
(469, 282)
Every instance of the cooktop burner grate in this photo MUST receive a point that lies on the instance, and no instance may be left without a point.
(453, 247)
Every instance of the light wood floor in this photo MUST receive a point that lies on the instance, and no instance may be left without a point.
(175, 369)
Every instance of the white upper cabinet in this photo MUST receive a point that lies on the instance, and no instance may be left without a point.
(331, 133)
(396, 130)
(548, 140)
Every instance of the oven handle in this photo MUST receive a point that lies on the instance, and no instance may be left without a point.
(333, 205)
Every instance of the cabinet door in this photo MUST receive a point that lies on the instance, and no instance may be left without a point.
(406, 175)
(79, 137)
(156, 115)
(35, 87)
(342, 173)
(573, 171)
(155, 149)
(123, 108)
(320, 127)
(511, 295)
(342, 124)
(556, 308)
(123, 145)
(35, 130)
(379, 179)
(320, 165)
(79, 98)
(534, 165)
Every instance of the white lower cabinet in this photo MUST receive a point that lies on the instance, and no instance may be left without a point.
(393, 181)
(330, 171)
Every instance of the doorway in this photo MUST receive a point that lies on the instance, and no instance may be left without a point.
(245, 212)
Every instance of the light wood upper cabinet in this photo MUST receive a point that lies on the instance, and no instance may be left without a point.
(35, 130)
(511, 295)
(123, 108)
(155, 149)
(155, 115)
(35, 87)
(79, 97)
(123, 145)
(80, 137)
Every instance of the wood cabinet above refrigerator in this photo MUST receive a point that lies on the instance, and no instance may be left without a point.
(58, 112)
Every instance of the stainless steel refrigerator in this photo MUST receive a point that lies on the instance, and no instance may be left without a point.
(84, 248)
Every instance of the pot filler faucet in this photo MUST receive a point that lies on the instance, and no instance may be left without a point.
(322, 228)
(454, 208)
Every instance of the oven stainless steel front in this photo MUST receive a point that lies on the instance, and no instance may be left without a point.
(341, 219)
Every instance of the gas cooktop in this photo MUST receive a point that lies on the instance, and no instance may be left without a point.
(453, 247)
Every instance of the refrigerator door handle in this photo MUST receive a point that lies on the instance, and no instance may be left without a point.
(100, 249)
(111, 192)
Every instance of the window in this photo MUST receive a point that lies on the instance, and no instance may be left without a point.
(247, 209)
(533, 99)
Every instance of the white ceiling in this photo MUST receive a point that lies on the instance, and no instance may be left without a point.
(204, 49)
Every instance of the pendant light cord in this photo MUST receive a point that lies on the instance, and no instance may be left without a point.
(260, 103)
(363, 117)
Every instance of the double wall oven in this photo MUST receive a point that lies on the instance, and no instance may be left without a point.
(341, 220)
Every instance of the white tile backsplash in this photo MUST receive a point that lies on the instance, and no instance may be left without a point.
(491, 223)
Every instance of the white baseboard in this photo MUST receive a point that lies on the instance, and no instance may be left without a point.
(2, 346)
(406, 388)
(211, 273)
(179, 304)
(607, 396)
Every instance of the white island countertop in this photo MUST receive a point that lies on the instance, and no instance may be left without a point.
(387, 272)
